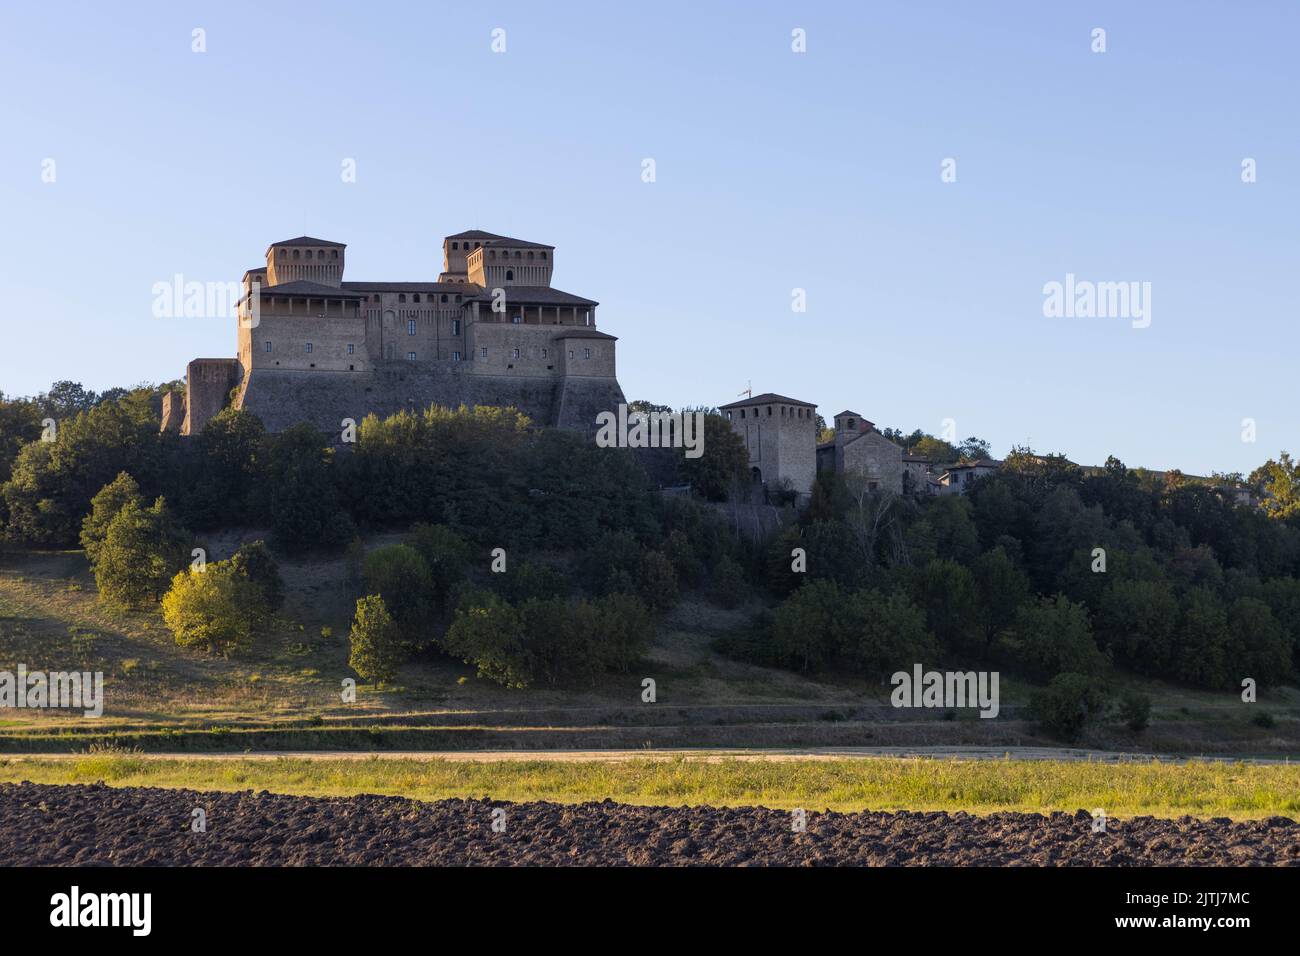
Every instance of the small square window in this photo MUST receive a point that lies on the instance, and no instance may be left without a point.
(411, 356)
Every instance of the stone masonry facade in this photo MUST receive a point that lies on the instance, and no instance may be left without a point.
(492, 330)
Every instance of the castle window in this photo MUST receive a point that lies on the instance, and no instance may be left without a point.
(283, 253)
(351, 348)
(510, 274)
(530, 255)
(402, 297)
(543, 353)
(492, 255)
(410, 326)
(336, 254)
(543, 255)
(375, 298)
(484, 351)
(514, 353)
(518, 254)
(444, 297)
(586, 353)
(455, 245)
(570, 353)
(476, 245)
(458, 300)
(309, 348)
(295, 253)
(268, 346)
(769, 411)
(742, 413)
(416, 297)
(455, 326)
(455, 356)
(411, 356)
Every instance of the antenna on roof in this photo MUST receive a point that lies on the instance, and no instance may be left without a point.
(749, 392)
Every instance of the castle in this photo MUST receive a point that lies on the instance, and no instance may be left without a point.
(490, 331)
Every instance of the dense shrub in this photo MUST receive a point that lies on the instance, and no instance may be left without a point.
(1068, 705)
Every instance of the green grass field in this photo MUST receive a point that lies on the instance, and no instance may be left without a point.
(1203, 789)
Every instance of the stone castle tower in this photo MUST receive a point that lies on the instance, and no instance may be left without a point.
(781, 436)
(491, 330)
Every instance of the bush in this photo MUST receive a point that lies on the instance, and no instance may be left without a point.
(657, 581)
(254, 561)
(1069, 703)
(730, 589)
(108, 501)
(1135, 711)
(377, 646)
(218, 608)
(488, 633)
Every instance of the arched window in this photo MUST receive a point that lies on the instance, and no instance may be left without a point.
(518, 254)
(401, 297)
(492, 254)
(510, 273)
(455, 245)
(336, 254)
(444, 297)
(543, 255)
(295, 253)
(530, 255)
(283, 253)
(416, 297)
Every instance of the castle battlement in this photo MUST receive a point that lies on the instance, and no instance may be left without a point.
(491, 315)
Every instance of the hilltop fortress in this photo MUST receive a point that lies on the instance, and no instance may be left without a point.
(490, 331)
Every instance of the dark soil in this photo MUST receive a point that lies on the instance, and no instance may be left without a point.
(47, 825)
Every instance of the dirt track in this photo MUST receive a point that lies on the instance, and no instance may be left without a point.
(99, 825)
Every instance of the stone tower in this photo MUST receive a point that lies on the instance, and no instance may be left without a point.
(781, 436)
(305, 260)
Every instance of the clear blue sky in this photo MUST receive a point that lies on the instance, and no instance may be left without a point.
(774, 171)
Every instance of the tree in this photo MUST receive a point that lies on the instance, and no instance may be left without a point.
(729, 585)
(1002, 589)
(1054, 637)
(446, 555)
(254, 561)
(810, 627)
(225, 489)
(1280, 483)
(1136, 621)
(300, 492)
(946, 592)
(217, 608)
(399, 575)
(489, 633)
(723, 465)
(104, 507)
(886, 633)
(377, 646)
(141, 551)
(657, 581)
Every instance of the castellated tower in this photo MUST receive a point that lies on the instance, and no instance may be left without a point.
(781, 436)
(305, 260)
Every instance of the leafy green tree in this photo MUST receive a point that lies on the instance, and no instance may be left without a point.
(724, 464)
(1053, 637)
(445, 553)
(1136, 621)
(488, 633)
(378, 648)
(217, 608)
(108, 501)
(300, 493)
(730, 589)
(142, 549)
(1135, 711)
(1258, 646)
(657, 581)
(946, 592)
(254, 561)
(886, 633)
(1280, 483)
(226, 487)
(1001, 588)
(399, 575)
(1200, 656)
(809, 627)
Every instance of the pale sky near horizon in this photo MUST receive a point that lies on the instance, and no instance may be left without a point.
(774, 171)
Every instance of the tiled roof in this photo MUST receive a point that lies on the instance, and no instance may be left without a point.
(586, 334)
(307, 241)
(765, 399)
(492, 239)
(533, 295)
